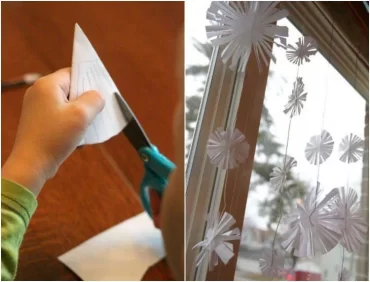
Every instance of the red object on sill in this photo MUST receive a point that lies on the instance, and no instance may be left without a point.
(290, 276)
(307, 276)
(307, 269)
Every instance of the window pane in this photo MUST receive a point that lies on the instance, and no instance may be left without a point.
(344, 114)
(197, 59)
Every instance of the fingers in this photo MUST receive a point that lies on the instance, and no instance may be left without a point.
(60, 79)
(90, 103)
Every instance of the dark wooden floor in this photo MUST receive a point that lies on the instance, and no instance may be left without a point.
(97, 186)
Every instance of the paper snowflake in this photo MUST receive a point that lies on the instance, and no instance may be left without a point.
(216, 243)
(296, 99)
(343, 275)
(306, 47)
(243, 25)
(314, 226)
(319, 148)
(279, 175)
(351, 148)
(272, 263)
(227, 149)
(355, 227)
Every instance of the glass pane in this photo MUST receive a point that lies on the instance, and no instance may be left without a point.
(198, 53)
(344, 114)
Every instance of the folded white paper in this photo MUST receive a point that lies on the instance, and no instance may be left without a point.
(89, 73)
(123, 252)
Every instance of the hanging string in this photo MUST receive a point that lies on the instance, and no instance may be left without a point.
(215, 108)
(225, 185)
(324, 110)
(236, 176)
(341, 269)
(232, 198)
(237, 169)
(223, 210)
(234, 186)
(233, 189)
(280, 193)
(224, 194)
(233, 192)
(232, 201)
(280, 197)
(226, 176)
(348, 165)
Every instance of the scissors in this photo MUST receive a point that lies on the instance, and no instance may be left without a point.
(26, 79)
(157, 167)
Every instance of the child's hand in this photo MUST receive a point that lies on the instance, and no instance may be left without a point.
(49, 130)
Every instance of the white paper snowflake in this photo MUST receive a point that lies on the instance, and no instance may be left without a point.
(305, 47)
(314, 227)
(216, 243)
(272, 263)
(296, 99)
(227, 149)
(319, 148)
(355, 227)
(243, 25)
(343, 275)
(279, 175)
(351, 148)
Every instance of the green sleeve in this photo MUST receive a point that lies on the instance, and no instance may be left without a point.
(17, 207)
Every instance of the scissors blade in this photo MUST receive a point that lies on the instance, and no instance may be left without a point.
(133, 130)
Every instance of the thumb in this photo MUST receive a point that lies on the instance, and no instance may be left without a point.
(91, 103)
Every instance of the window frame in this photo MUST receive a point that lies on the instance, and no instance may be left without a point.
(201, 175)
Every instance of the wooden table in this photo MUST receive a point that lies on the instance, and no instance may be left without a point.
(97, 186)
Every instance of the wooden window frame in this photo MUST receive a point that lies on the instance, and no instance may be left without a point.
(204, 182)
(201, 176)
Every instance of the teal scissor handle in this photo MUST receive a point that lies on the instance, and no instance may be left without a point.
(157, 170)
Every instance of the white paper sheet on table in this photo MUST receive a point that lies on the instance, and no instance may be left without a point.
(123, 252)
(89, 73)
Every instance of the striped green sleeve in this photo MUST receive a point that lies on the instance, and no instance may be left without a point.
(17, 207)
